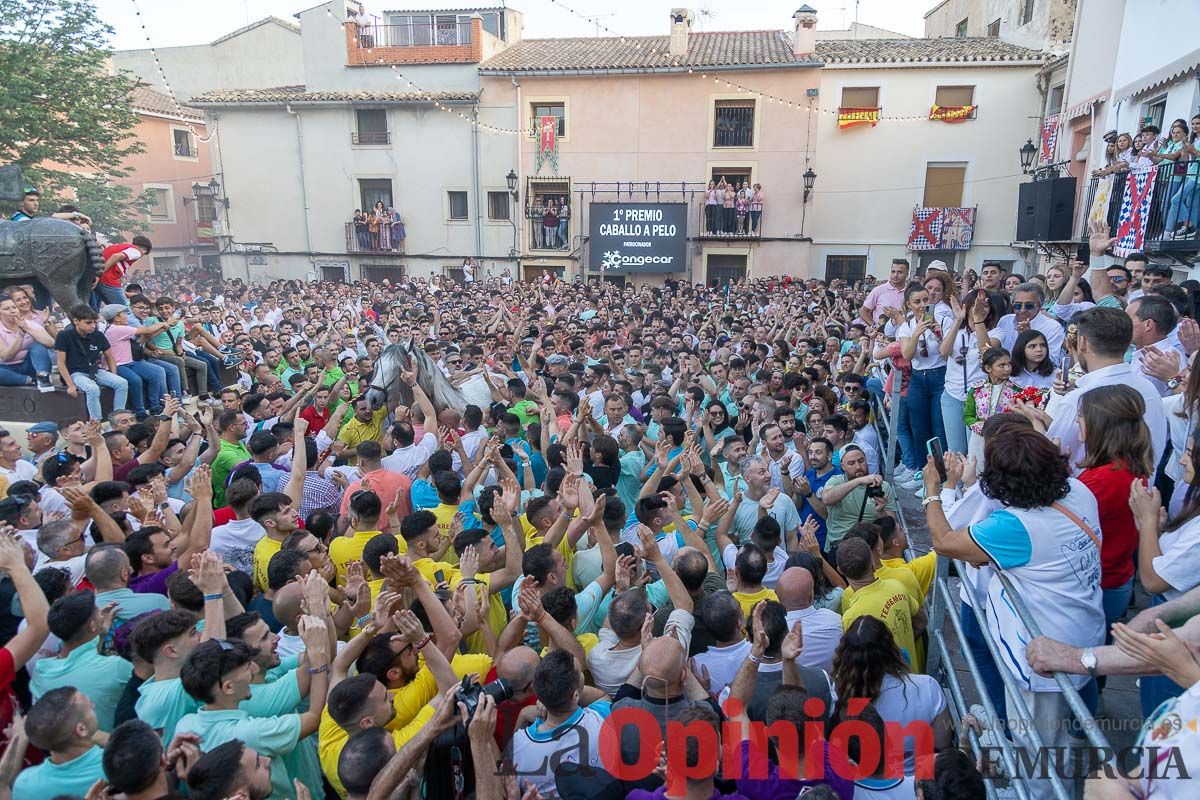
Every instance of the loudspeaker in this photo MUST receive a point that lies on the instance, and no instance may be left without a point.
(1046, 210)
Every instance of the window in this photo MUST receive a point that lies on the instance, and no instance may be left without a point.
(1154, 112)
(159, 204)
(182, 139)
(944, 185)
(860, 97)
(549, 110)
(372, 126)
(378, 273)
(960, 30)
(955, 96)
(498, 205)
(733, 123)
(725, 268)
(1056, 99)
(375, 190)
(457, 203)
(1026, 12)
(206, 209)
(733, 175)
(994, 29)
(408, 30)
(846, 268)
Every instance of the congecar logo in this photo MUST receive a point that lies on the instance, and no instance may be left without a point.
(615, 259)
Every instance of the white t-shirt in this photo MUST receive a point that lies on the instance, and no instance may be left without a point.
(1163, 734)
(537, 750)
(774, 568)
(21, 471)
(917, 698)
(1179, 564)
(934, 358)
(610, 668)
(234, 543)
(822, 631)
(723, 663)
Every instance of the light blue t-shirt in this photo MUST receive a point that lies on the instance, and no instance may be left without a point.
(47, 780)
(101, 678)
(162, 704)
(270, 737)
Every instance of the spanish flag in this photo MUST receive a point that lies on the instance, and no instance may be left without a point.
(951, 113)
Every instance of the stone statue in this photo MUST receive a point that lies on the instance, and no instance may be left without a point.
(59, 255)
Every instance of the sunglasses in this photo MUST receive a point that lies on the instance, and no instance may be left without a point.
(1025, 306)
(1118, 278)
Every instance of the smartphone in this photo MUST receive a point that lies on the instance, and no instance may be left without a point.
(439, 576)
(1065, 369)
(1083, 253)
(1193, 303)
(934, 448)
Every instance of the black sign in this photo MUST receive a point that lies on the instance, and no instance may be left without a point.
(638, 237)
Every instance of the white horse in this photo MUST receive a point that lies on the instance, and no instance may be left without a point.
(387, 387)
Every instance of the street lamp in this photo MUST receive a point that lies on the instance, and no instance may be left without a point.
(810, 178)
(1028, 154)
(512, 179)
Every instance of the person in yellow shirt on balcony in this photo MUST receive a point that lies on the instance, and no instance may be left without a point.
(365, 426)
(749, 569)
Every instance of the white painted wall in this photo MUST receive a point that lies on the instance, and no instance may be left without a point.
(1097, 35)
(266, 56)
(1153, 35)
(869, 179)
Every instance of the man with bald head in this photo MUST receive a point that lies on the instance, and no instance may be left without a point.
(287, 609)
(821, 628)
(516, 666)
(108, 569)
(697, 572)
(662, 685)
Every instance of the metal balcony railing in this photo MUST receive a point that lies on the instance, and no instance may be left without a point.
(371, 137)
(185, 150)
(379, 237)
(1173, 212)
(718, 222)
(435, 34)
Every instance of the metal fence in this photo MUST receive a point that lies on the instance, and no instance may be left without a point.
(940, 606)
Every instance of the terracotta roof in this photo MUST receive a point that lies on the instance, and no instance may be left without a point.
(711, 49)
(151, 101)
(924, 51)
(296, 94)
(283, 23)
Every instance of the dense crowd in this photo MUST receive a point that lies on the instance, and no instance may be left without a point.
(579, 540)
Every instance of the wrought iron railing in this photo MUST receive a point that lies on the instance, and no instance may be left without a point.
(427, 34)
(371, 137)
(380, 237)
(1171, 210)
(718, 222)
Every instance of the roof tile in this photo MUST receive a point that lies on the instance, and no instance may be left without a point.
(944, 50)
(705, 49)
(152, 101)
(298, 94)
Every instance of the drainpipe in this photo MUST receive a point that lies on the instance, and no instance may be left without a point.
(475, 166)
(303, 188)
(518, 210)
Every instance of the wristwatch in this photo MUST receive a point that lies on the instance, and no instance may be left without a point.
(1174, 382)
(165, 417)
(1089, 660)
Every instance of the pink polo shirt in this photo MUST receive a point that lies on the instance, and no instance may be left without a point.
(7, 337)
(883, 295)
(119, 338)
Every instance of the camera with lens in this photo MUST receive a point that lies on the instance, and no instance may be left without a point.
(469, 693)
(874, 492)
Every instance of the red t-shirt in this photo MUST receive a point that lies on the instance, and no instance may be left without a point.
(316, 420)
(1110, 484)
(8, 704)
(113, 275)
(223, 515)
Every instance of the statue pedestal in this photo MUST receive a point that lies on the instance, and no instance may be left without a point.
(26, 405)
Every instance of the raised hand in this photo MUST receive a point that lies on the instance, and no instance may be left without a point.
(650, 548)
(793, 643)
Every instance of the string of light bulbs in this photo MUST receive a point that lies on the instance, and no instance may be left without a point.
(163, 75)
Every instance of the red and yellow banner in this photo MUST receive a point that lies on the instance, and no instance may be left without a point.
(951, 113)
(850, 117)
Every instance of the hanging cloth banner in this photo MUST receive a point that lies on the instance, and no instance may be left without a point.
(951, 113)
(850, 117)
(1135, 212)
(547, 145)
(1049, 138)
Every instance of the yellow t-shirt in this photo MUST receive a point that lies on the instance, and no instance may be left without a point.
(427, 567)
(345, 549)
(355, 432)
(586, 640)
(445, 516)
(889, 602)
(748, 601)
(331, 738)
(901, 574)
(924, 567)
(534, 537)
(263, 551)
(409, 699)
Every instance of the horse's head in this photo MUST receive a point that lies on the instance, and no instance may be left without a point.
(386, 386)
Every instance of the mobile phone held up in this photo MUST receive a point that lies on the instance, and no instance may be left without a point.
(934, 448)
(1083, 253)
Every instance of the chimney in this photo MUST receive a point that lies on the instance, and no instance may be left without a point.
(804, 42)
(681, 25)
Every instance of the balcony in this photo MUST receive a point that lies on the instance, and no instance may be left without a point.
(543, 238)
(371, 137)
(185, 150)
(722, 223)
(1172, 227)
(372, 237)
(437, 42)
